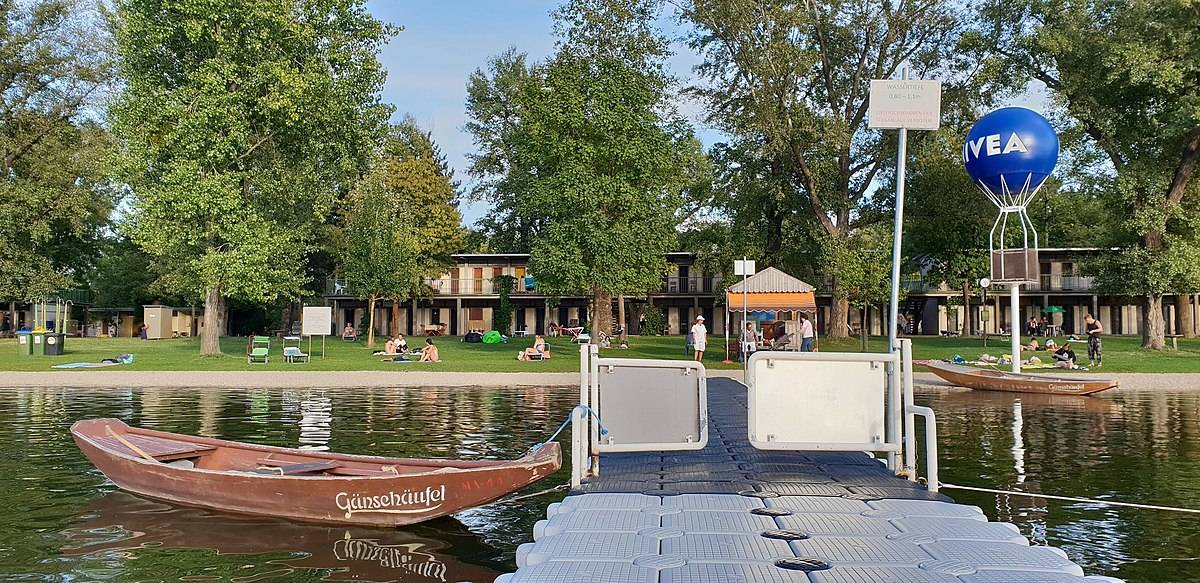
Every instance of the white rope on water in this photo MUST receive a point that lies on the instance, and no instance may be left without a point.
(1071, 499)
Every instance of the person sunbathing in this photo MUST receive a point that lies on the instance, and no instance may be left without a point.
(429, 353)
(538, 349)
(1033, 344)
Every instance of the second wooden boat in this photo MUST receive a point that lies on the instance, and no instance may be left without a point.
(996, 380)
(306, 486)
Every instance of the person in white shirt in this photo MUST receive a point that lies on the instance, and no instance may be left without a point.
(749, 340)
(699, 337)
(806, 334)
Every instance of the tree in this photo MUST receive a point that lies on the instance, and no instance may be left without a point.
(241, 121)
(54, 201)
(1127, 74)
(403, 221)
(584, 156)
(789, 82)
(864, 262)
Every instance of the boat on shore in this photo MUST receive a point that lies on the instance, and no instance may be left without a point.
(300, 485)
(997, 380)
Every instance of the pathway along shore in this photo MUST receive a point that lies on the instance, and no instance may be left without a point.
(350, 379)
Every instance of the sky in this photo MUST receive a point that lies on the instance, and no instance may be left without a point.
(444, 41)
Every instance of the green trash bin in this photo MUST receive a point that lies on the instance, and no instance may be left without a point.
(39, 343)
(54, 344)
(25, 343)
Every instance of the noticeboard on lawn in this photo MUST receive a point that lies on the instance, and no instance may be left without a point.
(317, 321)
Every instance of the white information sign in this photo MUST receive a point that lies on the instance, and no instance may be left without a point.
(913, 104)
(317, 321)
(743, 267)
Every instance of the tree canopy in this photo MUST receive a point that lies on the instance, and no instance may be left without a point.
(583, 155)
(239, 124)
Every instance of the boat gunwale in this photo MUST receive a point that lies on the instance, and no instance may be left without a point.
(544, 455)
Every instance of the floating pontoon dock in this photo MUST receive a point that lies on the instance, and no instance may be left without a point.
(686, 480)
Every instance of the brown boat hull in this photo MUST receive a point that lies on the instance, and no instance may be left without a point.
(425, 490)
(993, 380)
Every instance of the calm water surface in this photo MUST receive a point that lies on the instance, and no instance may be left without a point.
(65, 522)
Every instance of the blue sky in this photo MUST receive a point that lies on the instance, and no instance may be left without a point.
(445, 41)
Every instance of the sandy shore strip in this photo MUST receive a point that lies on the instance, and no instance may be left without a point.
(296, 379)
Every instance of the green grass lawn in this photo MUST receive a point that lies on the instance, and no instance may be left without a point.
(1121, 354)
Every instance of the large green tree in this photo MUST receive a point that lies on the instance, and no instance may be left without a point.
(54, 202)
(584, 155)
(788, 81)
(240, 122)
(403, 223)
(1127, 74)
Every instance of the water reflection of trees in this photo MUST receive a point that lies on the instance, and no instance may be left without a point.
(1129, 446)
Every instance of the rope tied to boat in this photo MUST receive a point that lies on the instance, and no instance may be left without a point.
(586, 411)
(1071, 499)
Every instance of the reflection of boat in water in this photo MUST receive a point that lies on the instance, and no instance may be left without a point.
(309, 486)
(125, 523)
(1027, 400)
(997, 380)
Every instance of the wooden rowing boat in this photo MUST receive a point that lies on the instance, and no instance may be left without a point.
(996, 380)
(307, 486)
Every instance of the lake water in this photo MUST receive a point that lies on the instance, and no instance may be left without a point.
(65, 522)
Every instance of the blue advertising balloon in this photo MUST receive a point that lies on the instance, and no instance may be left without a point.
(1011, 150)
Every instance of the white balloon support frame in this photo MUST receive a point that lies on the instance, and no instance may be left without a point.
(1012, 204)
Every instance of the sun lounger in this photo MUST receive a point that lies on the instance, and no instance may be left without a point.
(258, 350)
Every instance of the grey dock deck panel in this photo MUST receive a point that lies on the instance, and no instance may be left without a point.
(730, 513)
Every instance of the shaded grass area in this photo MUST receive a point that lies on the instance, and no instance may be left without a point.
(1121, 354)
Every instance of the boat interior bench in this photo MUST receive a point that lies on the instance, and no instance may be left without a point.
(159, 448)
(283, 468)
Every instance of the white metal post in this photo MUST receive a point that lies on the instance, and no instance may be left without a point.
(594, 434)
(579, 431)
(1014, 298)
(745, 296)
(897, 232)
(910, 422)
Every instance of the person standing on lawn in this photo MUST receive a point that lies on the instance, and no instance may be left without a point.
(699, 337)
(1095, 350)
(806, 333)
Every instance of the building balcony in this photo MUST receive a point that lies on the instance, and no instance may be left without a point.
(689, 285)
(1065, 283)
(338, 287)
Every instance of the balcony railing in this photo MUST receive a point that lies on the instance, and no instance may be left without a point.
(688, 285)
(1072, 283)
(443, 286)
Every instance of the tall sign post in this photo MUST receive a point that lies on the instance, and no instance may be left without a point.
(902, 104)
(745, 268)
(1009, 154)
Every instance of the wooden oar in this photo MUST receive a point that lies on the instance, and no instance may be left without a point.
(131, 446)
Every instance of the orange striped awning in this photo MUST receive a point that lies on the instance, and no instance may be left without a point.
(772, 301)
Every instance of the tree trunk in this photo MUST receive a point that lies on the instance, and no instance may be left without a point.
(966, 324)
(863, 326)
(1153, 326)
(601, 313)
(621, 318)
(12, 311)
(210, 338)
(395, 328)
(1183, 313)
(839, 314)
(371, 322)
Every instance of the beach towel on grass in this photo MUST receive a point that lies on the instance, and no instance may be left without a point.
(85, 364)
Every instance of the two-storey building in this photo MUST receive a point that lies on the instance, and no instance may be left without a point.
(465, 298)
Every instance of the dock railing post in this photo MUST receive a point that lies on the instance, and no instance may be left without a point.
(594, 433)
(579, 430)
(893, 412)
(910, 422)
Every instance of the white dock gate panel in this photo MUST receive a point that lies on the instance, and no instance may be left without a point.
(651, 405)
(819, 401)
